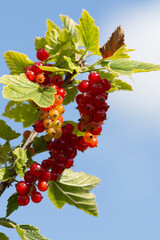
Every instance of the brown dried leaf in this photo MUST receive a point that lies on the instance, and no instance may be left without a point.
(114, 43)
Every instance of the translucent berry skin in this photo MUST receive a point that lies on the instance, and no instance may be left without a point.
(36, 169)
(93, 143)
(82, 145)
(42, 185)
(38, 126)
(69, 163)
(26, 134)
(61, 92)
(58, 100)
(96, 88)
(30, 75)
(36, 69)
(84, 86)
(29, 178)
(48, 163)
(67, 129)
(94, 77)
(42, 55)
(105, 84)
(36, 197)
(45, 176)
(28, 68)
(57, 80)
(22, 200)
(40, 78)
(100, 116)
(54, 176)
(88, 137)
(22, 188)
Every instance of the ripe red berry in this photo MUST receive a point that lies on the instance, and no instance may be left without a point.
(99, 100)
(26, 134)
(61, 92)
(23, 200)
(78, 98)
(30, 75)
(100, 116)
(89, 109)
(54, 176)
(42, 55)
(36, 169)
(71, 151)
(36, 197)
(29, 68)
(22, 188)
(96, 88)
(105, 84)
(39, 126)
(57, 80)
(42, 185)
(95, 128)
(94, 77)
(58, 168)
(48, 163)
(82, 145)
(69, 163)
(93, 143)
(45, 176)
(84, 86)
(67, 129)
(28, 177)
(36, 69)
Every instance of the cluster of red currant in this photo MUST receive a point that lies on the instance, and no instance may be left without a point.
(63, 149)
(92, 106)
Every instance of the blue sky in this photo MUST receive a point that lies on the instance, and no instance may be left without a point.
(127, 158)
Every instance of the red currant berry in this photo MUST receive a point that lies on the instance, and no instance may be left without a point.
(69, 163)
(89, 109)
(57, 80)
(93, 143)
(48, 163)
(100, 116)
(58, 168)
(22, 188)
(45, 176)
(78, 98)
(22, 200)
(40, 78)
(28, 177)
(54, 176)
(42, 185)
(71, 151)
(67, 129)
(105, 84)
(36, 169)
(36, 197)
(105, 107)
(26, 134)
(82, 145)
(94, 77)
(61, 92)
(30, 75)
(39, 126)
(29, 68)
(36, 69)
(96, 88)
(99, 100)
(83, 86)
(95, 128)
(42, 55)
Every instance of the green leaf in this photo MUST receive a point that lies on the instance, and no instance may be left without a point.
(75, 131)
(39, 43)
(73, 188)
(3, 236)
(121, 53)
(39, 145)
(5, 153)
(89, 33)
(54, 69)
(72, 66)
(71, 92)
(12, 204)
(118, 84)
(127, 67)
(70, 24)
(19, 88)
(28, 232)
(17, 62)
(50, 27)
(6, 132)
(7, 223)
(4, 174)
(107, 75)
(20, 162)
(59, 41)
(27, 113)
